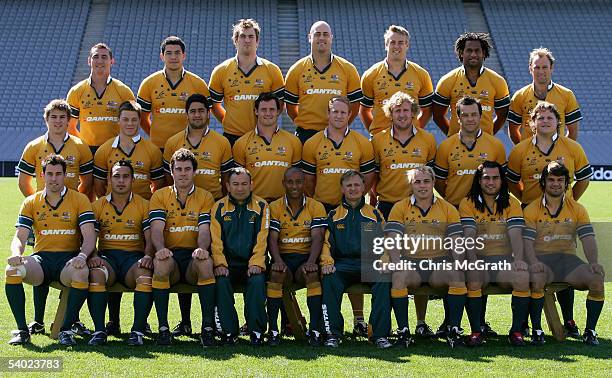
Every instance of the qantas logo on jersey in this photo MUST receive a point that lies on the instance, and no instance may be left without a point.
(58, 232)
(101, 119)
(462, 172)
(296, 240)
(183, 229)
(171, 111)
(333, 171)
(404, 165)
(271, 163)
(245, 97)
(209, 172)
(325, 91)
(122, 237)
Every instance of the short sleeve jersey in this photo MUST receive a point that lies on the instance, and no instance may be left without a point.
(491, 89)
(394, 159)
(378, 85)
(181, 221)
(456, 163)
(97, 114)
(268, 160)
(166, 102)
(439, 221)
(238, 91)
(121, 230)
(294, 230)
(145, 157)
(312, 89)
(56, 228)
(213, 154)
(526, 162)
(524, 100)
(556, 233)
(327, 160)
(77, 154)
(491, 226)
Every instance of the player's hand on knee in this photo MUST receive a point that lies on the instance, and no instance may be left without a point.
(279, 266)
(221, 271)
(253, 270)
(146, 262)
(538, 267)
(200, 254)
(328, 269)
(94, 262)
(309, 267)
(519, 266)
(163, 254)
(15, 260)
(78, 262)
(596, 269)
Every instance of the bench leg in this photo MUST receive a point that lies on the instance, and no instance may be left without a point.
(294, 315)
(61, 312)
(552, 316)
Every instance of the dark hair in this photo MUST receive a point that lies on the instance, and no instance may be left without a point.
(57, 104)
(101, 45)
(267, 96)
(483, 38)
(172, 40)
(238, 171)
(555, 168)
(196, 97)
(291, 170)
(503, 199)
(467, 100)
(129, 106)
(54, 159)
(183, 154)
(124, 163)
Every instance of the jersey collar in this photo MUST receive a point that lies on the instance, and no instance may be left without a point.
(548, 88)
(331, 61)
(560, 205)
(401, 73)
(62, 194)
(189, 193)
(413, 199)
(346, 205)
(475, 141)
(414, 133)
(554, 138)
(334, 143)
(258, 62)
(480, 72)
(66, 137)
(182, 73)
(108, 80)
(423, 212)
(203, 136)
(109, 197)
(289, 208)
(135, 139)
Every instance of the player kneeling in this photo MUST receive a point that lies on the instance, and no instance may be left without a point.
(551, 225)
(297, 226)
(426, 219)
(341, 260)
(63, 224)
(180, 232)
(122, 223)
(489, 214)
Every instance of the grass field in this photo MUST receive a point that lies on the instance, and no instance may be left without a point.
(429, 358)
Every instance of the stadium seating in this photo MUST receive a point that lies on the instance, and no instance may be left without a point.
(41, 45)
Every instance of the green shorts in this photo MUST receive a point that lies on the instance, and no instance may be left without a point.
(294, 261)
(182, 257)
(561, 264)
(492, 274)
(52, 264)
(425, 274)
(121, 261)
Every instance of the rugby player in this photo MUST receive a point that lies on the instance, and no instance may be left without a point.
(297, 226)
(162, 95)
(63, 222)
(180, 232)
(239, 80)
(239, 232)
(125, 253)
(475, 80)
(341, 258)
(387, 77)
(315, 79)
(94, 101)
(552, 223)
(542, 88)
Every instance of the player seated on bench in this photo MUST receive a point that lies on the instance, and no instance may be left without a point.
(180, 232)
(122, 224)
(429, 218)
(551, 225)
(63, 223)
(490, 213)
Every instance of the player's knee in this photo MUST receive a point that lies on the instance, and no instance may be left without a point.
(257, 279)
(520, 280)
(162, 267)
(398, 280)
(79, 275)
(277, 277)
(144, 283)
(311, 277)
(596, 282)
(98, 276)
(15, 274)
(474, 286)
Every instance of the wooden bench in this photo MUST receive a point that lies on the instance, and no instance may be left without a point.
(297, 320)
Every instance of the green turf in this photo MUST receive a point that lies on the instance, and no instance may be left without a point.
(430, 358)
